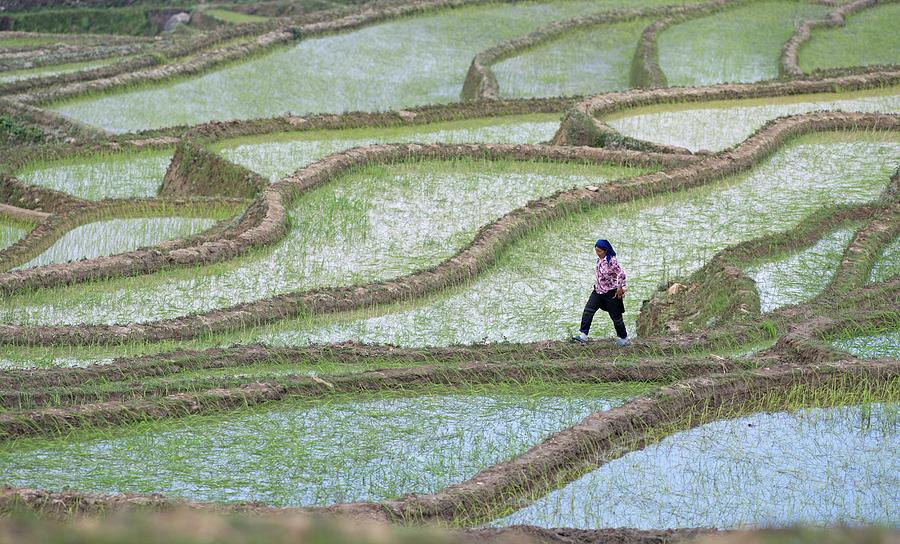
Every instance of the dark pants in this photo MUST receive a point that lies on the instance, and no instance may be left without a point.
(607, 302)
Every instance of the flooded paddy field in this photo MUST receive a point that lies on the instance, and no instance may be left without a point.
(297, 259)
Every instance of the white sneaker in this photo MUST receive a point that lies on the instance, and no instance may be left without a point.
(581, 338)
(622, 342)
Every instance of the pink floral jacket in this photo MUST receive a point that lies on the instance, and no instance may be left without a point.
(608, 275)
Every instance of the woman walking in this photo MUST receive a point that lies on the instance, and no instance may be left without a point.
(607, 295)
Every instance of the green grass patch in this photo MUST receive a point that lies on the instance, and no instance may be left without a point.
(233, 17)
(887, 265)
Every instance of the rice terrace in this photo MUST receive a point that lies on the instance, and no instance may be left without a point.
(310, 271)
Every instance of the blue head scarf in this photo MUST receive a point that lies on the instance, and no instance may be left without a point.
(605, 245)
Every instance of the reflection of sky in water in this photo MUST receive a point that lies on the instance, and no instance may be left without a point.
(380, 222)
(799, 277)
(717, 128)
(814, 466)
(117, 236)
(340, 452)
(874, 346)
(274, 160)
(539, 287)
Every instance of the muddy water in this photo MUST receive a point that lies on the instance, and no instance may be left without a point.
(379, 222)
(309, 454)
(94, 178)
(275, 156)
(821, 466)
(370, 69)
(117, 236)
(538, 289)
(717, 125)
(796, 278)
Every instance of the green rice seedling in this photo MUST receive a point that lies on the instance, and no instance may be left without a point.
(364, 446)
(740, 44)
(721, 124)
(829, 459)
(277, 155)
(12, 231)
(798, 277)
(373, 73)
(99, 175)
(586, 61)
(870, 342)
(233, 17)
(113, 236)
(27, 41)
(538, 287)
(52, 70)
(887, 265)
(375, 223)
(868, 37)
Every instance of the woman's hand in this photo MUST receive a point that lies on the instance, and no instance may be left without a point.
(620, 292)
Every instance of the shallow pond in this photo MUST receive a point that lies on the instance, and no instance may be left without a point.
(314, 453)
(11, 232)
(822, 466)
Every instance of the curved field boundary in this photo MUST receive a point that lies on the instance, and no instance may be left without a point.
(605, 435)
(468, 262)
(54, 226)
(481, 83)
(34, 196)
(645, 70)
(265, 223)
(581, 125)
(564, 455)
(51, 56)
(788, 65)
(364, 15)
(686, 299)
(60, 420)
(53, 125)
